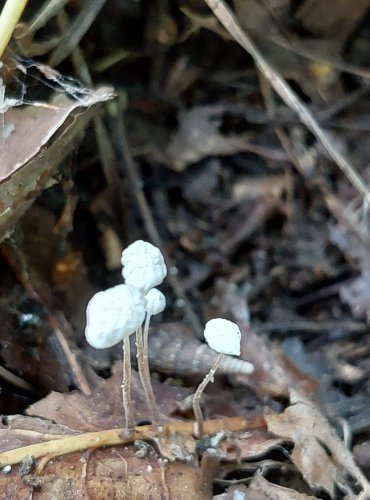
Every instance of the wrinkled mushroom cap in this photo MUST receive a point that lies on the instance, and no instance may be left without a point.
(223, 336)
(113, 314)
(143, 265)
(155, 301)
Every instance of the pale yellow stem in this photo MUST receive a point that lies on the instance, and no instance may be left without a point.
(9, 18)
(126, 387)
(144, 371)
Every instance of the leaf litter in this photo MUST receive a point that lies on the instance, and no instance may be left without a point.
(259, 224)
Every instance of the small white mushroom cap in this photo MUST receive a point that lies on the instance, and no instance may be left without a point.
(143, 265)
(155, 301)
(223, 336)
(113, 314)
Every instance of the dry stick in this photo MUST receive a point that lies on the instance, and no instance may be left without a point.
(16, 381)
(144, 373)
(113, 437)
(76, 31)
(147, 217)
(9, 17)
(46, 12)
(199, 421)
(60, 327)
(229, 21)
(126, 387)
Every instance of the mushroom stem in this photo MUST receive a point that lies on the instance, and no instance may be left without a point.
(144, 371)
(199, 421)
(146, 335)
(126, 387)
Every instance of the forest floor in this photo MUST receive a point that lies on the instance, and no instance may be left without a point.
(235, 137)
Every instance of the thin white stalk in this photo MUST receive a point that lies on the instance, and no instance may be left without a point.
(199, 421)
(146, 335)
(126, 387)
(144, 371)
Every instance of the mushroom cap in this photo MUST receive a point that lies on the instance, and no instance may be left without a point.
(113, 314)
(155, 301)
(143, 265)
(223, 336)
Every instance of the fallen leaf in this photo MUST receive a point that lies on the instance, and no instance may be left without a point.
(249, 445)
(103, 408)
(318, 453)
(108, 473)
(41, 137)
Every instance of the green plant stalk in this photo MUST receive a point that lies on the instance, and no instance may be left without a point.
(9, 18)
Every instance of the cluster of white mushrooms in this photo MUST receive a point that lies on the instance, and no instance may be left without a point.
(116, 313)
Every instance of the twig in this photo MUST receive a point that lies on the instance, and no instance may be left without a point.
(47, 12)
(229, 21)
(61, 327)
(9, 18)
(114, 437)
(16, 381)
(77, 30)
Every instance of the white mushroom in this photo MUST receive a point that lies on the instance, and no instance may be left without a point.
(143, 265)
(155, 302)
(112, 316)
(224, 337)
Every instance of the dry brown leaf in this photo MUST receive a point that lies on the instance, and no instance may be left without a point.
(318, 470)
(109, 473)
(103, 408)
(40, 137)
(312, 435)
(248, 445)
(17, 431)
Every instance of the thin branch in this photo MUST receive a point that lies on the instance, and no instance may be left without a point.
(9, 17)
(114, 437)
